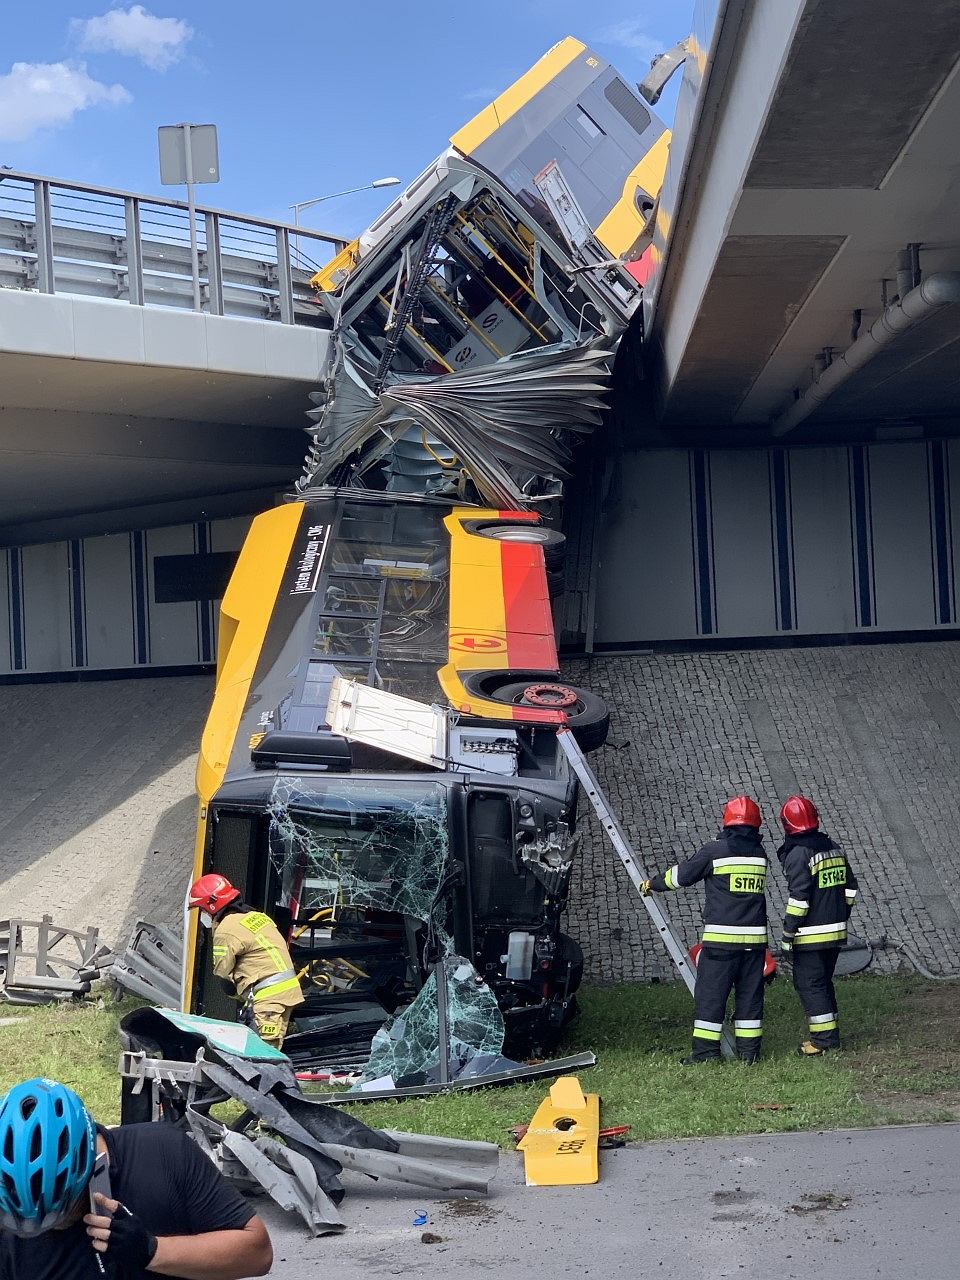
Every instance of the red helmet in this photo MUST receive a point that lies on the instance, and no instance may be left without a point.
(741, 811)
(212, 892)
(799, 814)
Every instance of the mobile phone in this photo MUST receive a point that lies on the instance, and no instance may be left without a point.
(99, 1182)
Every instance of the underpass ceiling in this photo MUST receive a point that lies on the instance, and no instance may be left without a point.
(46, 382)
(89, 447)
(857, 158)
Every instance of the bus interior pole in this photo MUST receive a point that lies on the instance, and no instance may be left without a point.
(625, 852)
(192, 213)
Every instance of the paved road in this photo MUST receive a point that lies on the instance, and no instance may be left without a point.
(836, 1206)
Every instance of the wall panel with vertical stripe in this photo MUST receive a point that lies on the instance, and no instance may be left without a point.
(90, 604)
(754, 543)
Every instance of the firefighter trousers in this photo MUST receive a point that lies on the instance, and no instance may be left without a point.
(721, 970)
(813, 980)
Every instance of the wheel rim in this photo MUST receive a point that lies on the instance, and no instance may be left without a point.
(514, 533)
(556, 697)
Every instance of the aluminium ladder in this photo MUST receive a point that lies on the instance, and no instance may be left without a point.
(624, 850)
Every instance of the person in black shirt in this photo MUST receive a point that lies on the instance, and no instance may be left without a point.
(170, 1212)
(823, 889)
(734, 870)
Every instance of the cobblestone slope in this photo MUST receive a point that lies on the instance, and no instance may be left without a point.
(98, 811)
(871, 732)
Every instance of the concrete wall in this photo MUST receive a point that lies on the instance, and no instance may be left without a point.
(773, 542)
(93, 604)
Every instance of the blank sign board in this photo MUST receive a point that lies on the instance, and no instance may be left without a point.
(205, 162)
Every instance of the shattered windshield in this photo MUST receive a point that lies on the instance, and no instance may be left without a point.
(382, 845)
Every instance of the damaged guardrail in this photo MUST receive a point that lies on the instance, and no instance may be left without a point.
(176, 1067)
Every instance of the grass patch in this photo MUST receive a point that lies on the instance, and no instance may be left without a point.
(896, 1066)
(640, 1033)
(77, 1044)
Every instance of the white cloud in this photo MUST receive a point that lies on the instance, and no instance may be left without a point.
(43, 95)
(629, 34)
(137, 33)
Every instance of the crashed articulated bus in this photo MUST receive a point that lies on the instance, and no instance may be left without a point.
(376, 858)
(524, 244)
(474, 326)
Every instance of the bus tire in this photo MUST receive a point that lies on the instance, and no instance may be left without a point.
(572, 955)
(551, 541)
(588, 718)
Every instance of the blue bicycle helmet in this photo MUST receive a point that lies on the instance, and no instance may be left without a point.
(48, 1145)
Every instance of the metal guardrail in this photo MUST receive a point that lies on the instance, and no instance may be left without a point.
(73, 238)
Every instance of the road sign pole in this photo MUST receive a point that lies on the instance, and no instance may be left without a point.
(192, 209)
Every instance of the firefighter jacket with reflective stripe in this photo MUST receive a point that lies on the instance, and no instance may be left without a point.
(734, 871)
(249, 951)
(822, 889)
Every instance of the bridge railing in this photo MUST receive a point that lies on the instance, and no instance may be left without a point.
(73, 238)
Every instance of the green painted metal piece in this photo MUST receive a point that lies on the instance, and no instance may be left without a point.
(230, 1037)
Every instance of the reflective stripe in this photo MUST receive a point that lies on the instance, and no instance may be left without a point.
(739, 862)
(822, 1017)
(851, 894)
(282, 976)
(798, 902)
(218, 952)
(735, 939)
(748, 1022)
(699, 1033)
(823, 1026)
(823, 928)
(670, 878)
(275, 989)
(707, 1026)
(821, 933)
(759, 930)
(256, 922)
(749, 1033)
(794, 910)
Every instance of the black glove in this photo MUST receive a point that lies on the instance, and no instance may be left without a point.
(130, 1242)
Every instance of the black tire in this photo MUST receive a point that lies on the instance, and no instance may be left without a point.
(572, 954)
(589, 720)
(553, 543)
(556, 582)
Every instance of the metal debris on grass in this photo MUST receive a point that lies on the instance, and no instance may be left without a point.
(60, 964)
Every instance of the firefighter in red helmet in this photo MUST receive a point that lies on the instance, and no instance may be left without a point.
(822, 889)
(734, 869)
(250, 955)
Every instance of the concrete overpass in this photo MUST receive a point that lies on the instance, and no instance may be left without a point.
(120, 406)
(813, 184)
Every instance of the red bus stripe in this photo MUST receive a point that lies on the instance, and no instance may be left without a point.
(529, 620)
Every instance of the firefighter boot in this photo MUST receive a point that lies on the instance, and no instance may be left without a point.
(810, 1050)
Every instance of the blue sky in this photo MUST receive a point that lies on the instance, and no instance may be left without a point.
(310, 96)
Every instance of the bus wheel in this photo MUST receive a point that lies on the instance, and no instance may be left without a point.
(586, 713)
(551, 541)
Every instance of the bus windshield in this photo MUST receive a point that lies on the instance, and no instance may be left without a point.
(373, 843)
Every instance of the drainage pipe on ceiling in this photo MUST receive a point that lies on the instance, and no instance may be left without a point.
(938, 290)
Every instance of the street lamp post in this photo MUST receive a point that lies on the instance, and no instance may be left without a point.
(367, 186)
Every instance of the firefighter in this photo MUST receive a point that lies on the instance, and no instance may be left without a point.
(822, 890)
(250, 955)
(734, 870)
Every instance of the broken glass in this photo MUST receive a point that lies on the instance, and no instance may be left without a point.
(374, 844)
(385, 846)
(409, 1043)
